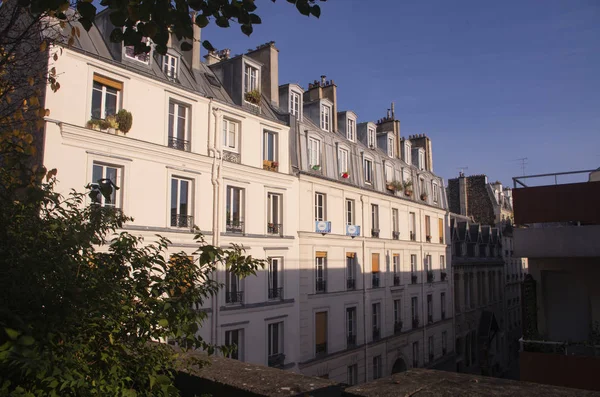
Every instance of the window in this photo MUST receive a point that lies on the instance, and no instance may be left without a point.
(351, 133)
(422, 188)
(350, 327)
(233, 340)
(321, 272)
(389, 173)
(436, 193)
(376, 310)
(396, 265)
(143, 57)
(443, 304)
(314, 153)
(250, 78)
(390, 146)
(181, 202)
(442, 263)
(428, 228)
(441, 230)
(430, 347)
(320, 200)
(370, 137)
(230, 135)
(234, 210)
(342, 161)
(352, 374)
(397, 316)
(395, 224)
(408, 157)
(275, 278)
(429, 308)
(374, 220)
(295, 104)
(413, 268)
(412, 225)
(376, 367)
(269, 146)
(351, 270)
(375, 269)
(349, 212)
(274, 223)
(368, 170)
(415, 354)
(275, 344)
(106, 174)
(325, 117)
(320, 333)
(414, 306)
(444, 342)
(179, 126)
(233, 291)
(106, 95)
(170, 66)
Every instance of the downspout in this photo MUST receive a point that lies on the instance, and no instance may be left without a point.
(423, 279)
(364, 273)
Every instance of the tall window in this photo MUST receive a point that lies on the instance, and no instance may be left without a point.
(181, 202)
(389, 172)
(436, 193)
(408, 156)
(233, 340)
(321, 333)
(396, 264)
(395, 224)
(274, 222)
(314, 152)
(295, 104)
(351, 270)
(441, 230)
(376, 313)
(320, 200)
(443, 304)
(413, 268)
(321, 272)
(444, 342)
(351, 327)
(376, 367)
(429, 308)
(179, 126)
(368, 170)
(275, 344)
(106, 95)
(422, 186)
(325, 117)
(352, 374)
(275, 278)
(234, 210)
(342, 161)
(107, 174)
(351, 133)
(371, 138)
(428, 228)
(230, 135)
(442, 263)
(412, 225)
(233, 290)
(375, 269)
(269, 146)
(349, 212)
(390, 146)
(250, 78)
(415, 354)
(375, 220)
(430, 346)
(414, 307)
(170, 66)
(397, 312)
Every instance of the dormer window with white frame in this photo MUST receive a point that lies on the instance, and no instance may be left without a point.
(296, 104)
(251, 78)
(143, 57)
(325, 117)
(407, 153)
(342, 161)
(389, 172)
(436, 193)
(390, 146)
(368, 170)
(314, 153)
(371, 141)
(170, 66)
(351, 130)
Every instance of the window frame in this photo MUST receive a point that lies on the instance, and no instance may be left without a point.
(443, 304)
(395, 220)
(226, 131)
(251, 82)
(277, 345)
(275, 210)
(229, 203)
(390, 146)
(436, 193)
(170, 66)
(377, 364)
(275, 143)
(397, 307)
(321, 272)
(325, 117)
(368, 170)
(134, 57)
(119, 179)
(351, 129)
(371, 138)
(388, 172)
(277, 281)
(314, 153)
(105, 83)
(239, 352)
(375, 216)
(173, 126)
(352, 374)
(350, 211)
(295, 111)
(190, 198)
(320, 207)
(342, 160)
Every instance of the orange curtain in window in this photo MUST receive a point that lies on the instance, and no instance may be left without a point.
(441, 228)
(108, 82)
(375, 263)
(350, 254)
(320, 328)
(427, 225)
(321, 254)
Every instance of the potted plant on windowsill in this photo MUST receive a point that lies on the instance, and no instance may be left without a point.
(316, 167)
(394, 186)
(275, 165)
(94, 124)
(424, 196)
(345, 175)
(408, 188)
(253, 97)
(124, 121)
(111, 124)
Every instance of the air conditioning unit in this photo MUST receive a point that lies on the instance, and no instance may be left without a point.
(352, 230)
(323, 227)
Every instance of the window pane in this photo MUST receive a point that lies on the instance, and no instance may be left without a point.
(97, 173)
(111, 101)
(174, 188)
(97, 101)
(111, 173)
(183, 198)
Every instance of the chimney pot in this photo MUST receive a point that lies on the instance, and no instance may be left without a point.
(323, 79)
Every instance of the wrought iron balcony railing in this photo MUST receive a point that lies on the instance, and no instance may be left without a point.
(396, 280)
(235, 226)
(233, 298)
(413, 278)
(351, 341)
(375, 283)
(397, 327)
(375, 233)
(321, 349)
(321, 286)
(350, 284)
(396, 235)
(276, 293)
(443, 276)
(413, 236)
(430, 276)
(376, 333)
(179, 144)
(180, 220)
(275, 228)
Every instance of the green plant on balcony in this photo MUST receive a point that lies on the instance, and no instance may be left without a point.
(316, 167)
(253, 97)
(124, 121)
(395, 186)
(424, 196)
(408, 187)
(95, 124)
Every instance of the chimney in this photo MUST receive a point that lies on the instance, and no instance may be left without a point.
(196, 45)
(393, 111)
(212, 58)
(268, 55)
(323, 80)
(462, 193)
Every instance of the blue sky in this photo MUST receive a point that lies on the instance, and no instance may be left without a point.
(488, 81)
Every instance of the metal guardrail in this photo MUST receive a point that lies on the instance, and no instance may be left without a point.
(554, 347)
(518, 179)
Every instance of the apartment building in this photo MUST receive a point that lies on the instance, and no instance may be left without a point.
(197, 154)
(375, 294)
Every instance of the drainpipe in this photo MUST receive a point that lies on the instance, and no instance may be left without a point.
(364, 273)
(423, 279)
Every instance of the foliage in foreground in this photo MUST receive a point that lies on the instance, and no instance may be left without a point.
(81, 305)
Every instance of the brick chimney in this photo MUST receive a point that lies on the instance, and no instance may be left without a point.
(196, 45)
(462, 191)
(268, 55)
(320, 89)
(423, 141)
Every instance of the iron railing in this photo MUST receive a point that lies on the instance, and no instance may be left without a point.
(375, 283)
(415, 322)
(276, 293)
(180, 220)
(443, 276)
(430, 276)
(276, 360)
(396, 280)
(321, 286)
(234, 226)
(397, 327)
(235, 297)
(275, 228)
(179, 144)
(376, 333)
(321, 349)
(396, 235)
(413, 236)
(375, 233)
(350, 341)
(350, 284)
(413, 278)
(428, 239)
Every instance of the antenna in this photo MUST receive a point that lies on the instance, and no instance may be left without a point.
(523, 161)
(462, 170)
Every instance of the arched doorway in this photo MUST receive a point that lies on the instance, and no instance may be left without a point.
(399, 366)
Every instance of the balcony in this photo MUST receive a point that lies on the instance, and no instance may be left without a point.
(270, 165)
(415, 322)
(276, 360)
(396, 235)
(430, 276)
(179, 144)
(321, 349)
(275, 228)
(350, 341)
(396, 280)
(397, 327)
(350, 284)
(375, 233)
(443, 276)
(413, 279)
(375, 282)
(376, 333)
(276, 293)
(321, 286)
(323, 227)
(413, 236)
(234, 298)
(183, 221)
(234, 226)
(428, 238)
(352, 230)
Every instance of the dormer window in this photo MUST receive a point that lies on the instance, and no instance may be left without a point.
(325, 117)
(390, 146)
(407, 151)
(250, 78)
(170, 64)
(351, 133)
(371, 138)
(368, 170)
(143, 57)
(295, 102)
